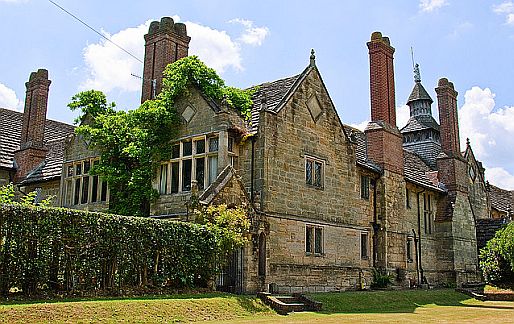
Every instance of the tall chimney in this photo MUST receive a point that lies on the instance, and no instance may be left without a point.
(32, 149)
(165, 43)
(448, 118)
(385, 143)
(381, 79)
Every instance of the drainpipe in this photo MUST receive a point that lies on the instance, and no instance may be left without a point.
(417, 256)
(252, 167)
(419, 238)
(375, 223)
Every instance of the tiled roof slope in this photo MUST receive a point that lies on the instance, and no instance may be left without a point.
(269, 95)
(10, 135)
(417, 123)
(417, 171)
(486, 228)
(501, 199)
(361, 154)
(419, 93)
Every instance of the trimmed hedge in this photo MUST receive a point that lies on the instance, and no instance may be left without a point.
(497, 257)
(63, 250)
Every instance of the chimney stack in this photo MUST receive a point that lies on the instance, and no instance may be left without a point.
(32, 149)
(382, 79)
(385, 143)
(448, 118)
(165, 43)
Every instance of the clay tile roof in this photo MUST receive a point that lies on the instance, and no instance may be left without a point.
(10, 134)
(501, 199)
(419, 93)
(269, 95)
(418, 172)
(417, 123)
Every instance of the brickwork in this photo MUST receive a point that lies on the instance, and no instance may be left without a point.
(385, 146)
(447, 104)
(382, 79)
(165, 43)
(32, 149)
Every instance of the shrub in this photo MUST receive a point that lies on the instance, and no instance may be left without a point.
(497, 257)
(381, 279)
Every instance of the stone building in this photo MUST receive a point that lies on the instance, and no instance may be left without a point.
(328, 203)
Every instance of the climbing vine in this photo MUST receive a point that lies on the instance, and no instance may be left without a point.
(131, 144)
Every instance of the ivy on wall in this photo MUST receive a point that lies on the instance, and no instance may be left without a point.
(131, 144)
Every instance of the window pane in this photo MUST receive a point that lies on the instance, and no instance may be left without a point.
(213, 144)
(78, 169)
(309, 232)
(200, 146)
(364, 187)
(186, 175)
(163, 179)
(103, 196)
(200, 173)
(318, 244)
(364, 245)
(94, 189)
(318, 165)
(174, 177)
(231, 144)
(85, 190)
(213, 168)
(70, 170)
(69, 193)
(87, 166)
(187, 148)
(175, 151)
(77, 192)
(308, 172)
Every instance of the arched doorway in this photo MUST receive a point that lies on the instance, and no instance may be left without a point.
(262, 254)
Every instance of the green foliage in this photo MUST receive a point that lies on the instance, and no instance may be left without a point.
(229, 225)
(497, 257)
(55, 250)
(7, 196)
(381, 279)
(131, 144)
(191, 71)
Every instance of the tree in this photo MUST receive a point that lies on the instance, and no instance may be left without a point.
(131, 144)
(497, 257)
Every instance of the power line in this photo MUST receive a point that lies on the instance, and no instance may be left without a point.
(103, 36)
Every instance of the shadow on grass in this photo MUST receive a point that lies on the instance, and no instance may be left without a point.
(387, 301)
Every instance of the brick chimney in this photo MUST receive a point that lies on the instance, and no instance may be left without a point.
(165, 43)
(384, 139)
(450, 163)
(447, 104)
(32, 148)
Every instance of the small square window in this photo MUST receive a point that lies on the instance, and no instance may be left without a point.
(314, 172)
(187, 148)
(213, 144)
(313, 240)
(200, 146)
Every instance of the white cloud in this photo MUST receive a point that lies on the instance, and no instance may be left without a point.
(8, 99)
(361, 126)
(431, 5)
(110, 68)
(402, 116)
(500, 177)
(491, 133)
(506, 8)
(251, 35)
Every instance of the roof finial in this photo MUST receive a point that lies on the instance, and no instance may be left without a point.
(417, 75)
(313, 58)
(467, 141)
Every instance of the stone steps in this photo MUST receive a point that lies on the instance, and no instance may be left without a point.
(284, 304)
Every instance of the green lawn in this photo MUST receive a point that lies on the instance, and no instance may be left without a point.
(434, 306)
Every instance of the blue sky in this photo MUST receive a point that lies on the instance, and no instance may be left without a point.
(250, 42)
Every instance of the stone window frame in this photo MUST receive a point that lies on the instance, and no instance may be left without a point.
(364, 245)
(365, 185)
(312, 182)
(210, 158)
(427, 213)
(317, 235)
(409, 249)
(75, 178)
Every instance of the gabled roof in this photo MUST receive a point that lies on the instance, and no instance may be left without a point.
(361, 152)
(419, 93)
(10, 135)
(501, 199)
(270, 95)
(421, 122)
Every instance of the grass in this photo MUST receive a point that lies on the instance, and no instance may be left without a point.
(412, 306)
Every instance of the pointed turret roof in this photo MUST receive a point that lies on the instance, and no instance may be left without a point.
(419, 93)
